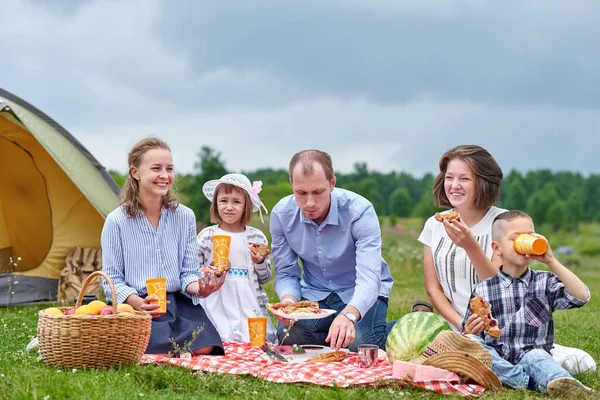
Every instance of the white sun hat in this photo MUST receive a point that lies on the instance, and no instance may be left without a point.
(242, 182)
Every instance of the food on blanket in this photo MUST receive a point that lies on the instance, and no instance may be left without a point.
(411, 334)
(259, 250)
(529, 244)
(333, 356)
(300, 307)
(448, 216)
(483, 309)
(221, 251)
(53, 311)
(298, 349)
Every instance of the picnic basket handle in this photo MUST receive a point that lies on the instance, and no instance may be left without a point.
(113, 292)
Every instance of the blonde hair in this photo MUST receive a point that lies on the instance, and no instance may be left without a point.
(227, 188)
(131, 189)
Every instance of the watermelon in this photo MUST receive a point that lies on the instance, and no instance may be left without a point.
(411, 334)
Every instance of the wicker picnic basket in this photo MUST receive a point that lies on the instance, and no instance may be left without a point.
(93, 341)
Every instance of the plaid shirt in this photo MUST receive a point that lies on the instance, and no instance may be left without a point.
(523, 307)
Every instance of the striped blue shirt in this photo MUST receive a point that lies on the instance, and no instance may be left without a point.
(342, 255)
(132, 251)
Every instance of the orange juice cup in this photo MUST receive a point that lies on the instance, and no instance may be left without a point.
(257, 327)
(221, 249)
(158, 287)
(529, 244)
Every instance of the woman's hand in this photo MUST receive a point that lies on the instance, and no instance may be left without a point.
(474, 325)
(210, 283)
(151, 308)
(460, 234)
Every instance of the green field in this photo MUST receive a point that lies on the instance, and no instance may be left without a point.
(23, 377)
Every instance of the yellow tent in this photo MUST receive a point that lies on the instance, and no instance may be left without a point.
(54, 195)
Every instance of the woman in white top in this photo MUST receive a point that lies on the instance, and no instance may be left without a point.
(458, 254)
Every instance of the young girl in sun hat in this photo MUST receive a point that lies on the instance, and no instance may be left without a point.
(233, 200)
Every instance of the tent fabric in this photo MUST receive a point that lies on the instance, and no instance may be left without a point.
(54, 195)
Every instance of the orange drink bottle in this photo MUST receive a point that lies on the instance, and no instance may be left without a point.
(529, 244)
(257, 327)
(221, 249)
(158, 287)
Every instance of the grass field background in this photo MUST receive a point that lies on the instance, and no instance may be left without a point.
(22, 376)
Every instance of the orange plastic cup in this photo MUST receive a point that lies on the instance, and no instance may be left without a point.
(529, 244)
(221, 249)
(257, 327)
(158, 287)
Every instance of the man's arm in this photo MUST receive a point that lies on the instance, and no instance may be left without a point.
(287, 270)
(367, 236)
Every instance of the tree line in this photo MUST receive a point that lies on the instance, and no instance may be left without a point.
(555, 200)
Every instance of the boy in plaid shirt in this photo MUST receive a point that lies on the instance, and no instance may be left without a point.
(523, 301)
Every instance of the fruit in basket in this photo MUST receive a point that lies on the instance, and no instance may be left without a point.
(124, 308)
(53, 311)
(96, 305)
(85, 310)
(106, 310)
(70, 312)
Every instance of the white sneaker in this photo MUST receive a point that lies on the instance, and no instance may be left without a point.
(575, 361)
(570, 388)
(33, 345)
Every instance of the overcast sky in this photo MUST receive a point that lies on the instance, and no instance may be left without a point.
(387, 82)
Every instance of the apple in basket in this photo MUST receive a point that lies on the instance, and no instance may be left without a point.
(105, 310)
(70, 312)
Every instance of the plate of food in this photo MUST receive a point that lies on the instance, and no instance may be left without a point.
(310, 353)
(303, 309)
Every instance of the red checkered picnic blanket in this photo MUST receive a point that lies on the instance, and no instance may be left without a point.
(243, 359)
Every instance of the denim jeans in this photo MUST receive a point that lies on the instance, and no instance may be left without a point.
(535, 369)
(371, 329)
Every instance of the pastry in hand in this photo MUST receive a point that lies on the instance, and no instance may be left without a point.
(483, 309)
(448, 216)
(218, 270)
(259, 250)
(333, 356)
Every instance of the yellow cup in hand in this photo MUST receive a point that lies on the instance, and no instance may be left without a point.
(221, 245)
(529, 244)
(158, 287)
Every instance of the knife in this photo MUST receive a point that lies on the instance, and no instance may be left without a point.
(273, 354)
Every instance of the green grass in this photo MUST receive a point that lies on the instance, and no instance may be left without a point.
(23, 377)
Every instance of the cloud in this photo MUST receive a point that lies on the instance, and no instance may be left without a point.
(393, 84)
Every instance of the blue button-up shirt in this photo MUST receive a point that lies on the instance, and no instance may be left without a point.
(132, 251)
(342, 255)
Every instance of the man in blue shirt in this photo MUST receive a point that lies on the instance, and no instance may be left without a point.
(334, 234)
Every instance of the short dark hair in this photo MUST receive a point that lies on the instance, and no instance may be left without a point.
(503, 218)
(227, 188)
(487, 174)
(308, 158)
